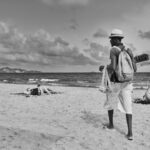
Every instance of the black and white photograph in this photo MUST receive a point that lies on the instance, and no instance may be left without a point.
(74, 75)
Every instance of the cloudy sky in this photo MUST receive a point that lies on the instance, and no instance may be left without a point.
(69, 35)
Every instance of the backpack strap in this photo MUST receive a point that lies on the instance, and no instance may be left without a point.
(132, 58)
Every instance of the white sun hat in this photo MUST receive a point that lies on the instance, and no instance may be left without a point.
(116, 33)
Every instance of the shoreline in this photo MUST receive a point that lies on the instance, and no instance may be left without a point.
(136, 85)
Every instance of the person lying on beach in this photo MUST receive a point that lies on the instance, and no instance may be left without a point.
(46, 90)
(39, 90)
(141, 101)
(146, 98)
(33, 91)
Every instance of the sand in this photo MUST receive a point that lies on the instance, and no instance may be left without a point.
(72, 120)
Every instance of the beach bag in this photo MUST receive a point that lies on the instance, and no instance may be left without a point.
(124, 70)
(105, 85)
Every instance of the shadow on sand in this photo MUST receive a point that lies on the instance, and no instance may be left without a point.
(98, 121)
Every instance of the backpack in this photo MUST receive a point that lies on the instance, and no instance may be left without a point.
(124, 70)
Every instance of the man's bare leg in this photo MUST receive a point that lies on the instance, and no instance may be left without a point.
(129, 125)
(110, 116)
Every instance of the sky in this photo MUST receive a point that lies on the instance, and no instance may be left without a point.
(70, 35)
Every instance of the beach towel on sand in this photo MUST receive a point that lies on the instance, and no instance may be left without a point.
(120, 97)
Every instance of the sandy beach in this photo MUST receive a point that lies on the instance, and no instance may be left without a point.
(72, 120)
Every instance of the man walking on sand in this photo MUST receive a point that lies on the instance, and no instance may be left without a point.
(121, 90)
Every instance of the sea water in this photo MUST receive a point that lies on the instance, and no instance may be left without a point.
(88, 79)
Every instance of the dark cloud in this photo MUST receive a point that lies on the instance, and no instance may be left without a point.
(10, 37)
(98, 51)
(73, 24)
(144, 35)
(39, 48)
(61, 41)
(100, 34)
(73, 27)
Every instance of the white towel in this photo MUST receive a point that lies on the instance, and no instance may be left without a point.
(105, 85)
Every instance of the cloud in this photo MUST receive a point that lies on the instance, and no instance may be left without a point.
(59, 40)
(144, 35)
(11, 38)
(86, 41)
(38, 49)
(132, 47)
(75, 2)
(73, 27)
(98, 52)
(100, 33)
(73, 24)
(67, 2)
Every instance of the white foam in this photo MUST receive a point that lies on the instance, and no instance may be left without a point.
(49, 80)
(32, 80)
(5, 80)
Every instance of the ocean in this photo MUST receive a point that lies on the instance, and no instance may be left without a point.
(91, 79)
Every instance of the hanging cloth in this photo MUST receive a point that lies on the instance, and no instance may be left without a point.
(105, 85)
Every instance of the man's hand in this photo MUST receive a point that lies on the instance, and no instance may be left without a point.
(101, 68)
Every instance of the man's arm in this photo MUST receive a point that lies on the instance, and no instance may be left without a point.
(113, 63)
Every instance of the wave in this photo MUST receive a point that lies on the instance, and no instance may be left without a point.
(49, 80)
(32, 80)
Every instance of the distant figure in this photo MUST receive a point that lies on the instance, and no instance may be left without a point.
(121, 90)
(146, 97)
(27, 92)
(39, 90)
(33, 91)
